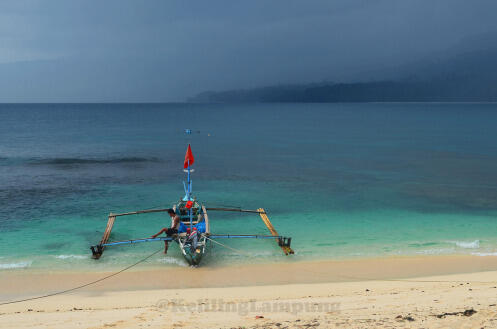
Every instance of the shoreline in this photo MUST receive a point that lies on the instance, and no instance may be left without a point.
(26, 282)
(176, 261)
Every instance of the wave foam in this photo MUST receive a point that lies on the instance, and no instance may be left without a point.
(468, 245)
(172, 260)
(8, 266)
(484, 253)
(71, 257)
(435, 251)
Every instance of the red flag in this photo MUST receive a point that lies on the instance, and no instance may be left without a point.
(188, 157)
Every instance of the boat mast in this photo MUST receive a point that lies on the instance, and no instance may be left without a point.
(188, 188)
(190, 212)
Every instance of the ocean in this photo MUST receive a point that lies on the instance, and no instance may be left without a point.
(343, 180)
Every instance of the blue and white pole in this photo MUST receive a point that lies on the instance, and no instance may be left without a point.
(190, 212)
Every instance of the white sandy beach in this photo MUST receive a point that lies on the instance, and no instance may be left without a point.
(382, 294)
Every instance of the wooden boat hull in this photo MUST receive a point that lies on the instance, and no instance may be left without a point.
(193, 253)
(193, 245)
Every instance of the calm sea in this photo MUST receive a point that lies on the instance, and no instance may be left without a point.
(344, 180)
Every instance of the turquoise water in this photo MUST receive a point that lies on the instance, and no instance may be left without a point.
(344, 180)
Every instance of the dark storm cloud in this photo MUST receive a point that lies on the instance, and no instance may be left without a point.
(166, 50)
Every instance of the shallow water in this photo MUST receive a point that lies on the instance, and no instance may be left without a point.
(344, 180)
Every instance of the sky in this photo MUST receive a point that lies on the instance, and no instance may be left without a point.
(165, 51)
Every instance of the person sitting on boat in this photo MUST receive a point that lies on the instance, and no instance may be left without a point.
(175, 221)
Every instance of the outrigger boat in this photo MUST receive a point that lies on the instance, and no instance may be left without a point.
(194, 231)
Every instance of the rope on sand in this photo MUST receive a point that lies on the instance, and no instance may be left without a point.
(84, 285)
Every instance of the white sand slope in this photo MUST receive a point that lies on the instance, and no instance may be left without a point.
(445, 301)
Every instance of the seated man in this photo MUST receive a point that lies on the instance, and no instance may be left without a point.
(171, 230)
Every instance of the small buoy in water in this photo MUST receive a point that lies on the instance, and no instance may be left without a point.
(188, 131)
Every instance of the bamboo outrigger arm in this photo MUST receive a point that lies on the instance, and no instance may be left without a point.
(235, 210)
(98, 250)
(140, 212)
(284, 246)
(282, 241)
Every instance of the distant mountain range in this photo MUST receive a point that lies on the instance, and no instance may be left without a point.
(465, 76)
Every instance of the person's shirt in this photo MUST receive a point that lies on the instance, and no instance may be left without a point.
(176, 217)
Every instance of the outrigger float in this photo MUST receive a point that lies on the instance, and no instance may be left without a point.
(194, 231)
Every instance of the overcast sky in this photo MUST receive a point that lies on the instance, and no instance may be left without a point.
(91, 51)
